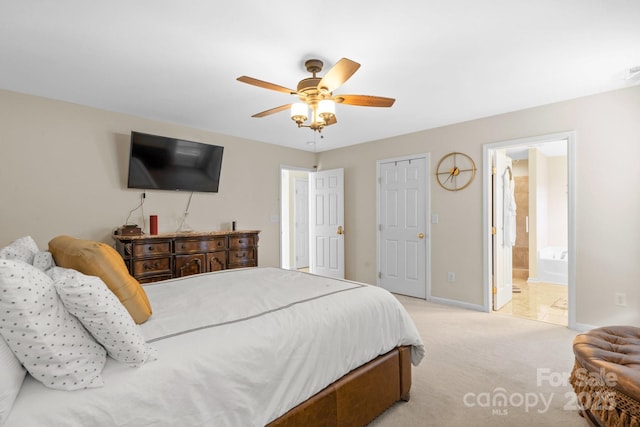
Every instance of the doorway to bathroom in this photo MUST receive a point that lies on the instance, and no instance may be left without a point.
(529, 212)
(312, 220)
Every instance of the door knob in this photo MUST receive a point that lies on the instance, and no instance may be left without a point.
(421, 236)
(340, 230)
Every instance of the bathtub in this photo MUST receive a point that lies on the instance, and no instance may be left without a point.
(553, 265)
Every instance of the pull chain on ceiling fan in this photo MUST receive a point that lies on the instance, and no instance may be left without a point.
(316, 94)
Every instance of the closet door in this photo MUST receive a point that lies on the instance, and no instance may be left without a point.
(402, 230)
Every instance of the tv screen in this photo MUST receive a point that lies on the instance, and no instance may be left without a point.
(162, 163)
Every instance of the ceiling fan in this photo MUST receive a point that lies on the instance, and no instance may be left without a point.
(316, 93)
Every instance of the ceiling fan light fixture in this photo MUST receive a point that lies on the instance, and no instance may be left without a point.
(326, 108)
(299, 113)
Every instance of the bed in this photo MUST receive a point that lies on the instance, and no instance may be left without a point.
(247, 347)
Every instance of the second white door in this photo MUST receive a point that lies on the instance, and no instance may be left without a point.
(326, 209)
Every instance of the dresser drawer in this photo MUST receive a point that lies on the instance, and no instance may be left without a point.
(155, 278)
(242, 257)
(186, 265)
(208, 245)
(141, 250)
(216, 261)
(242, 241)
(152, 266)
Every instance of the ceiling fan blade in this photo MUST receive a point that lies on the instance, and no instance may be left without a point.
(338, 74)
(364, 100)
(265, 85)
(272, 111)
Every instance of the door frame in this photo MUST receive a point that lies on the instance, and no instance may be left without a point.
(487, 149)
(295, 220)
(285, 219)
(427, 253)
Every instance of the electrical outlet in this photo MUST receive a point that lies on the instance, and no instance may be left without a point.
(621, 299)
(451, 277)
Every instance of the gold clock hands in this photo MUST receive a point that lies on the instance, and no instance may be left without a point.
(453, 172)
(448, 178)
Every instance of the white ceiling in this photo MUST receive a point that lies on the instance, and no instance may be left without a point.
(444, 61)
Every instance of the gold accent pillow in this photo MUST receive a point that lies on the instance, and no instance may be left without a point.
(99, 259)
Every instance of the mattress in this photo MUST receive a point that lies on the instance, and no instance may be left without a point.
(235, 348)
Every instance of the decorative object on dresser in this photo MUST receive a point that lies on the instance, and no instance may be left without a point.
(129, 230)
(166, 256)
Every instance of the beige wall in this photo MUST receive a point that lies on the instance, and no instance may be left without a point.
(63, 171)
(557, 201)
(607, 200)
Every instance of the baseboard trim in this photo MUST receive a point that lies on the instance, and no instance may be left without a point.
(457, 303)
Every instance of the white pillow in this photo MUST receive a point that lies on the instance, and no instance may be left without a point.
(101, 312)
(43, 260)
(11, 376)
(52, 345)
(22, 249)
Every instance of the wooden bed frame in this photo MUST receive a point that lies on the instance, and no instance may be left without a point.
(358, 397)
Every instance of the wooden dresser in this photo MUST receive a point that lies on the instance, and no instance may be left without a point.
(165, 256)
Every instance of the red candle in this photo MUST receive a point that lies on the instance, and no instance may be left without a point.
(153, 224)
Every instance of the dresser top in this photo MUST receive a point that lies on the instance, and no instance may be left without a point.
(184, 234)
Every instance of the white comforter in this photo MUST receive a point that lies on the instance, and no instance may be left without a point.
(235, 348)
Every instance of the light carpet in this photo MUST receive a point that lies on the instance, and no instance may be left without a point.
(486, 369)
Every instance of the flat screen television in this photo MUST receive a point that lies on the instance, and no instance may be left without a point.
(162, 163)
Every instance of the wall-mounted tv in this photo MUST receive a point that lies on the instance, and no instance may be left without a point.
(162, 163)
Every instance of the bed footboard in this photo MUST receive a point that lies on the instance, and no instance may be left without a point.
(358, 397)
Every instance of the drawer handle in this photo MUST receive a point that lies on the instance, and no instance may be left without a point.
(240, 241)
(150, 248)
(155, 265)
(241, 254)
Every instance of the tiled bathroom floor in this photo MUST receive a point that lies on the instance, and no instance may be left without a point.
(546, 302)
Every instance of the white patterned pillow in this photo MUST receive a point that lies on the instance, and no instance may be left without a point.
(52, 345)
(43, 260)
(11, 376)
(101, 312)
(22, 249)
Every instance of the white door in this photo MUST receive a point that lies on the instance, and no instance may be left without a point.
(326, 212)
(301, 222)
(402, 226)
(502, 247)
